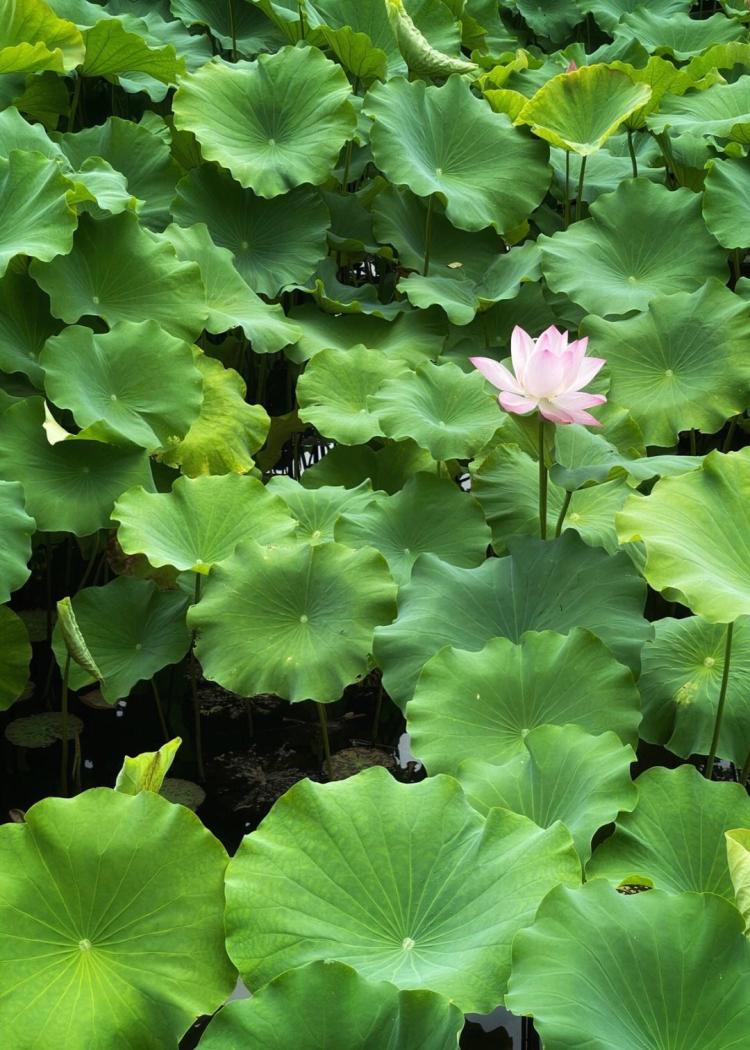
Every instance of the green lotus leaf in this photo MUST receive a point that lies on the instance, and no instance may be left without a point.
(641, 241)
(298, 623)
(675, 835)
(445, 410)
(692, 555)
(333, 392)
(143, 280)
(112, 51)
(412, 337)
(387, 469)
(419, 140)
(336, 297)
(230, 301)
(228, 430)
(634, 940)
(146, 772)
(33, 38)
(726, 202)
(201, 521)
(183, 792)
(461, 297)
(680, 686)
(722, 110)
(18, 133)
(429, 514)
(738, 859)
(132, 630)
(563, 773)
(399, 218)
(680, 364)
(36, 216)
(329, 1004)
(100, 190)
(114, 926)
(579, 111)
(15, 650)
(582, 456)
(274, 243)
(330, 874)
(43, 730)
(557, 585)
(25, 325)
(422, 59)
(555, 20)
(608, 13)
(664, 78)
(69, 486)
(317, 510)
(483, 704)
(677, 34)
(506, 485)
(235, 23)
(138, 154)
(16, 531)
(135, 382)
(275, 123)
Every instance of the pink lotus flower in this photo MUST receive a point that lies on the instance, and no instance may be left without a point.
(549, 375)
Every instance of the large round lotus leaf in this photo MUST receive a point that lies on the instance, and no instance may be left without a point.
(16, 530)
(506, 485)
(139, 154)
(15, 657)
(336, 297)
(483, 704)
(449, 412)
(33, 38)
(317, 510)
(677, 34)
(553, 20)
(36, 217)
(726, 202)
(722, 110)
(227, 431)
(135, 382)
(579, 111)
(233, 23)
(428, 514)
(132, 630)
(102, 953)
(641, 241)
(275, 123)
(738, 859)
(607, 13)
(414, 336)
(333, 392)
(680, 364)
(25, 325)
(295, 622)
(201, 521)
(142, 280)
(695, 530)
(554, 585)
(420, 140)
(274, 243)
(386, 469)
(675, 835)
(563, 773)
(230, 301)
(404, 882)
(680, 686)
(112, 51)
(43, 730)
(69, 486)
(659, 971)
(327, 1004)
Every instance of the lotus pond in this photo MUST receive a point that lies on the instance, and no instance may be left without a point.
(374, 524)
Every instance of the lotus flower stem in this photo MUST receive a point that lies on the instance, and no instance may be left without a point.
(73, 112)
(579, 194)
(722, 702)
(727, 444)
(566, 217)
(326, 742)
(563, 512)
(633, 158)
(745, 770)
(64, 742)
(160, 710)
(194, 693)
(693, 442)
(737, 264)
(232, 29)
(542, 482)
(428, 236)
(301, 20)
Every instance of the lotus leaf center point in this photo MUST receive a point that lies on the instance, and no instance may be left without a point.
(407, 944)
(709, 661)
(303, 618)
(85, 945)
